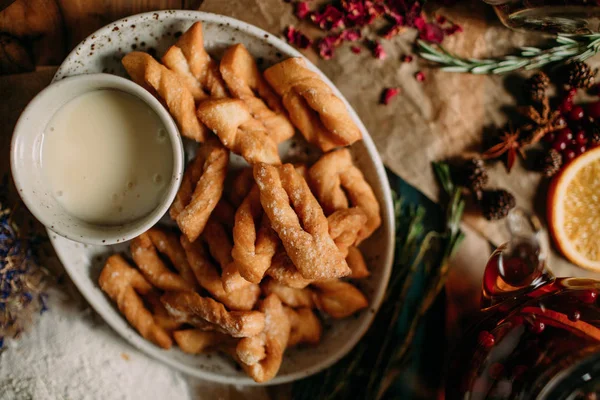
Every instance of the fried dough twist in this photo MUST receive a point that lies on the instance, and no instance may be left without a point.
(319, 114)
(305, 326)
(238, 130)
(196, 341)
(332, 177)
(122, 284)
(164, 83)
(292, 297)
(337, 298)
(245, 82)
(299, 221)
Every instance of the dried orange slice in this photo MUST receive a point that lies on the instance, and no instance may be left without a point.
(573, 210)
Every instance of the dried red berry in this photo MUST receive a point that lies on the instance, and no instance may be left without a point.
(574, 315)
(565, 106)
(569, 154)
(302, 9)
(571, 93)
(576, 113)
(589, 296)
(407, 58)
(440, 19)
(486, 339)
(355, 49)
(388, 94)
(537, 326)
(581, 137)
(420, 76)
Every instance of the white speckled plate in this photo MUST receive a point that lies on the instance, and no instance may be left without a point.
(155, 32)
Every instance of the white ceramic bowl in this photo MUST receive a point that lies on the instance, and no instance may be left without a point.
(26, 163)
(155, 32)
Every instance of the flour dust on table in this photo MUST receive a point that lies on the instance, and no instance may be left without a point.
(70, 356)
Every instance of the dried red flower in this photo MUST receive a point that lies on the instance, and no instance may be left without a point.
(379, 51)
(355, 49)
(297, 38)
(388, 94)
(302, 9)
(420, 76)
(453, 29)
(440, 19)
(351, 35)
(329, 19)
(327, 45)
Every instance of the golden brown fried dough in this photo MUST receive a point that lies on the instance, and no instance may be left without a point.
(197, 310)
(167, 243)
(245, 82)
(320, 115)
(146, 71)
(208, 277)
(159, 312)
(214, 159)
(195, 341)
(284, 271)
(292, 297)
(241, 185)
(334, 176)
(344, 227)
(238, 130)
(261, 356)
(189, 50)
(337, 298)
(305, 326)
(254, 240)
(357, 263)
(299, 221)
(146, 258)
(122, 284)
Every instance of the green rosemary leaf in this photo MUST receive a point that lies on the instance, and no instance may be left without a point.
(562, 50)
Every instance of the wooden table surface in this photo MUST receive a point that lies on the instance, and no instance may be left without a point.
(41, 32)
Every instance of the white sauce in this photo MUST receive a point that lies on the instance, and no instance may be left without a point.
(107, 157)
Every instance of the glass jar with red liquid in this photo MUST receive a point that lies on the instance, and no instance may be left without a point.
(537, 337)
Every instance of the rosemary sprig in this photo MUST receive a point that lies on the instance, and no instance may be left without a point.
(563, 49)
(363, 374)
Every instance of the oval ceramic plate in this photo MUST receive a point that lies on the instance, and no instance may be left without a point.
(154, 33)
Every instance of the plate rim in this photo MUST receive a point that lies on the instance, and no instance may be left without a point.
(386, 209)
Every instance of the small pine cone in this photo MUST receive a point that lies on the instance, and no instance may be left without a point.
(495, 204)
(536, 86)
(579, 75)
(472, 174)
(551, 162)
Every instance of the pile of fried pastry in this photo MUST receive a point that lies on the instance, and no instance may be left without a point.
(252, 259)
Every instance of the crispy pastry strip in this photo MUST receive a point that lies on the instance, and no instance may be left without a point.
(320, 115)
(220, 246)
(159, 80)
(344, 227)
(190, 60)
(146, 258)
(196, 310)
(357, 263)
(208, 277)
(167, 243)
(289, 296)
(214, 159)
(284, 271)
(337, 298)
(302, 229)
(159, 312)
(305, 326)
(196, 341)
(122, 284)
(245, 82)
(239, 131)
(261, 356)
(254, 242)
(332, 177)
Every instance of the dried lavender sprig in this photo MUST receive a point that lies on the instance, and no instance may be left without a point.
(564, 48)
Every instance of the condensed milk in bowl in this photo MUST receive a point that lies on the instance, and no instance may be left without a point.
(96, 158)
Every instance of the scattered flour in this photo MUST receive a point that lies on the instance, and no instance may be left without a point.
(72, 355)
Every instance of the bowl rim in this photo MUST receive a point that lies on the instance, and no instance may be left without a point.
(387, 210)
(103, 235)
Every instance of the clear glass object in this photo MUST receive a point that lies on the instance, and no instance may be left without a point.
(537, 336)
(575, 17)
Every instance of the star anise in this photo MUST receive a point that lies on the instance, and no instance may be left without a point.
(543, 123)
(509, 144)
